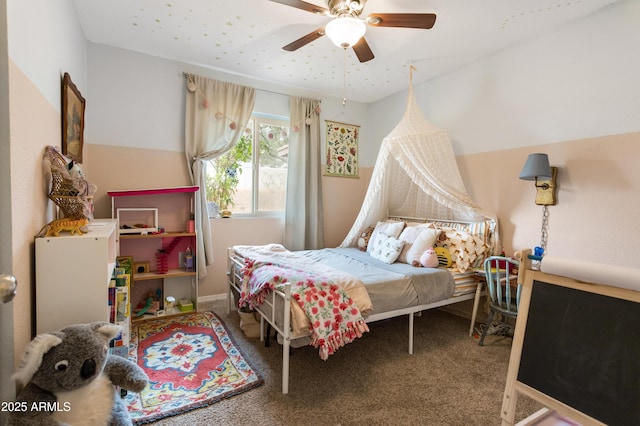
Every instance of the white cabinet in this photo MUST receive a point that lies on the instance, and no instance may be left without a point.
(73, 273)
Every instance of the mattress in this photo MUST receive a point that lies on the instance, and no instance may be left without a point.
(398, 285)
(390, 286)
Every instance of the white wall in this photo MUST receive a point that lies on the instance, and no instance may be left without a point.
(45, 41)
(578, 82)
(137, 101)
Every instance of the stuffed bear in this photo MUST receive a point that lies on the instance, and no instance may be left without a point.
(68, 377)
(363, 241)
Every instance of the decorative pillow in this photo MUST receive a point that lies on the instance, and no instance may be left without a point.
(386, 248)
(444, 257)
(481, 229)
(464, 248)
(409, 235)
(363, 241)
(390, 228)
(425, 240)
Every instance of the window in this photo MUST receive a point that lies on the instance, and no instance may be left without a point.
(252, 177)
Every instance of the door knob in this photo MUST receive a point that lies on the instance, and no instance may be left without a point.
(8, 287)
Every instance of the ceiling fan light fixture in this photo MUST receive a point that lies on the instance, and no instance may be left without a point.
(345, 31)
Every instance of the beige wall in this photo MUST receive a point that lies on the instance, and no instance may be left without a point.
(118, 168)
(28, 190)
(595, 218)
(598, 187)
(342, 200)
(595, 175)
(234, 231)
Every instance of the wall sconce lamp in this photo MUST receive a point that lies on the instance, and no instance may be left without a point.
(537, 168)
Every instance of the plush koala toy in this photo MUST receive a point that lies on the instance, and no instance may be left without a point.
(68, 377)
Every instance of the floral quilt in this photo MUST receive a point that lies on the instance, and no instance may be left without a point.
(335, 319)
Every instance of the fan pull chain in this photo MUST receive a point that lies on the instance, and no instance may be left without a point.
(344, 80)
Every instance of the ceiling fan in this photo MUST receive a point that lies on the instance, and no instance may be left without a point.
(347, 28)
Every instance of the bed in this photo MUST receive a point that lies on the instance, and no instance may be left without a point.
(390, 289)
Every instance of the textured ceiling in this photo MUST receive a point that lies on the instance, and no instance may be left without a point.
(246, 37)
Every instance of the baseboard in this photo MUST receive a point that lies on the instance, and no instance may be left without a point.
(212, 298)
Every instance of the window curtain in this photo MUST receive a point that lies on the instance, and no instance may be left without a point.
(303, 225)
(216, 114)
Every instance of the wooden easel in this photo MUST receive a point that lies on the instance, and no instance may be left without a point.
(607, 297)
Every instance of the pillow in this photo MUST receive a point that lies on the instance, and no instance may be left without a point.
(409, 235)
(425, 240)
(390, 228)
(482, 229)
(444, 257)
(464, 248)
(385, 248)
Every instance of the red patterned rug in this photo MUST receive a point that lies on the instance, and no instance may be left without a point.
(191, 362)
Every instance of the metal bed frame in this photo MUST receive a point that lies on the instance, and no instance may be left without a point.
(279, 298)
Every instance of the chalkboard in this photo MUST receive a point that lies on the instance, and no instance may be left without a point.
(583, 349)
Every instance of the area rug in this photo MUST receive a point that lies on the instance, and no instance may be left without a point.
(191, 362)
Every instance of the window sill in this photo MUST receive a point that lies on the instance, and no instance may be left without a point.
(275, 215)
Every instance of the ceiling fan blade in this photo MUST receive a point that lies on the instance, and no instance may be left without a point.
(363, 51)
(304, 6)
(304, 40)
(402, 20)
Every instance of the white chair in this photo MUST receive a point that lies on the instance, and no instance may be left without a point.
(500, 272)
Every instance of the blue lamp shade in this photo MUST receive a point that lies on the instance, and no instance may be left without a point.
(536, 167)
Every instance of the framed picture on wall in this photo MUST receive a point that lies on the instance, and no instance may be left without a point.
(342, 149)
(73, 105)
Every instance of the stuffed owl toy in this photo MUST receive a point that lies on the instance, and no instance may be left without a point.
(69, 377)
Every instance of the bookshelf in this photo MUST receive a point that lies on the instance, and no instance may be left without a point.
(157, 230)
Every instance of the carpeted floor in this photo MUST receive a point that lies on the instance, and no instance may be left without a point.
(449, 380)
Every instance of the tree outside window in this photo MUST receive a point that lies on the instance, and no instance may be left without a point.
(223, 178)
(252, 177)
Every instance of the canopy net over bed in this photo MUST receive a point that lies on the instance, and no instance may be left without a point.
(416, 175)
